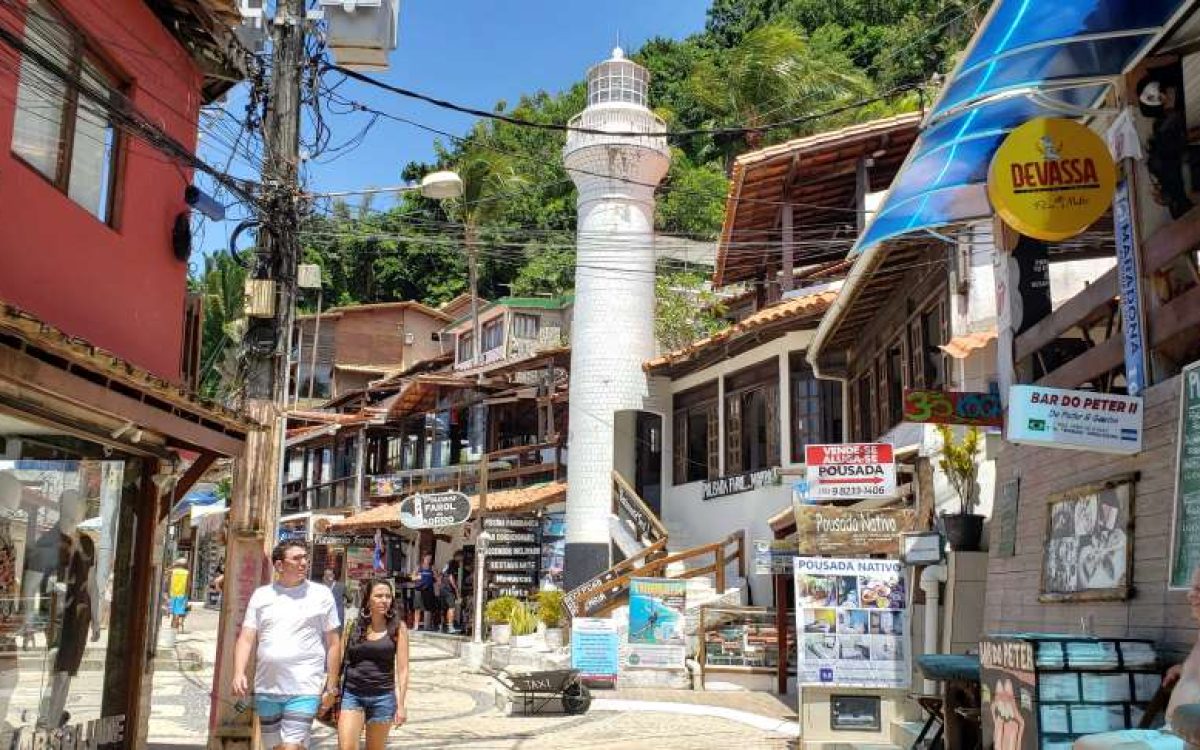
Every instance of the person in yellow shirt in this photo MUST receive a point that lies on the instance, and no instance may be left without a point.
(177, 589)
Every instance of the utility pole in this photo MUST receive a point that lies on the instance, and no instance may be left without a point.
(257, 477)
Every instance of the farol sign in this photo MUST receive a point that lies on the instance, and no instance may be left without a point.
(1079, 420)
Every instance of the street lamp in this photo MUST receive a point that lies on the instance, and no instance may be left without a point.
(442, 185)
(481, 545)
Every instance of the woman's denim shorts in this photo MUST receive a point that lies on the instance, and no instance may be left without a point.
(378, 709)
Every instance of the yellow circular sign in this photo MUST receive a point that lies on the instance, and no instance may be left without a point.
(1051, 178)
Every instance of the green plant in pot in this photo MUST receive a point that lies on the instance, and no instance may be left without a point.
(551, 612)
(960, 464)
(499, 614)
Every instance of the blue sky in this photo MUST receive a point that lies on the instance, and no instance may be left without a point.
(475, 52)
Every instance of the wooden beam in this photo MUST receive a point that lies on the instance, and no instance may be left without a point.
(1180, 315)
(1091, 364)
(31, 373)
(1100, 292)
(1171, 241)
(202, 464)
(144, 604)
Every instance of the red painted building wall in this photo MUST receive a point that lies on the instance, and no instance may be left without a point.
(119, 287)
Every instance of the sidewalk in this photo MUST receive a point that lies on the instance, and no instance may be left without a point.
(452, 708)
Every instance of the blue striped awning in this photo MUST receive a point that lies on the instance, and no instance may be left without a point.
(1031, 58)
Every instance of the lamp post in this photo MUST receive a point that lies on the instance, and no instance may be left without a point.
(481, 545)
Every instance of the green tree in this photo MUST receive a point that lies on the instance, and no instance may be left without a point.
(691, 203)
(773, 74)
(550, 270)
(685, 309)
(223, 286)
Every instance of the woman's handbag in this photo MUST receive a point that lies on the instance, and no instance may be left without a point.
(329, 716)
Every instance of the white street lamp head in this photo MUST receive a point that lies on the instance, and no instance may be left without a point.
(442, 185)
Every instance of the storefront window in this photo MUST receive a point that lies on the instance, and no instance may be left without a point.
(525, 326)
(66, 542)
(816, 408)
(752, 418)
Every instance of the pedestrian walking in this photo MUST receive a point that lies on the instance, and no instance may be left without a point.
(426, 579)
(451, 592)
(292, 628)
(338, 589)
(376, 674)
(177, 589)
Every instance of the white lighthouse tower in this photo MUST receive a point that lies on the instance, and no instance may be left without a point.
(612, 329)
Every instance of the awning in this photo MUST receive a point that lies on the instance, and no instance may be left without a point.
(518, 500)
(1029, 59)
(193, 499)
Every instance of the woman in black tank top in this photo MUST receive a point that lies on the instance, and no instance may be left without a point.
(376, 670)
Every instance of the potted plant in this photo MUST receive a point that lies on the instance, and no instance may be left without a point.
(499, 615)
(524, 624)
(960, 464)
(550, 611)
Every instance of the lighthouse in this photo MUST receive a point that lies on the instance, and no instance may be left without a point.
(616, 155)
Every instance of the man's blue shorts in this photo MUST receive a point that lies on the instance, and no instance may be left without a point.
(179, 605)
(286, 719)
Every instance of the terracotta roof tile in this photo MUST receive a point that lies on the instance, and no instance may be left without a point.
(809, 306)
(960, 347)
(507, 501)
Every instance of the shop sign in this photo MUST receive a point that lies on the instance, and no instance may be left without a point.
(103, 732)
(360, 563)
(510, 565)
(744, 482)
(344, 540)
(632, 511)
(1008, 693)
(852, 623)
(513, 537)
(850, 470)
(773, 557)
(1185, 555)
(435, 510)
(953, 407)
(510, 522)
(1130, 288)
(595, 649)
(656, 622)
(1083, 420)
(293, 535)
(1051, 178)
(827, 530)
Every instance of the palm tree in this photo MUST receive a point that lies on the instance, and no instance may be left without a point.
(773, 74)
(488, 177)
(223, 287)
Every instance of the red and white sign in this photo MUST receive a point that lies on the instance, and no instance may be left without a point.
(850, 470)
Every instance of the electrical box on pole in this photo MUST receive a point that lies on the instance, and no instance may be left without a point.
(361, 33)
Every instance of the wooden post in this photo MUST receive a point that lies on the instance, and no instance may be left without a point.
(741, 543)
(781, 622)
(786, 271)
(720, 567)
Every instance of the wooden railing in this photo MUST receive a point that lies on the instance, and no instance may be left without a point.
(336, 493)
(629, 506)
(520, 464)
(602, 592)
(1168, 315)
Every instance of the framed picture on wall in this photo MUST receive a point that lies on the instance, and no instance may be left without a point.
(1089, 543)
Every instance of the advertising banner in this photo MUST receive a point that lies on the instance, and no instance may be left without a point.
(435, 510)
(826, 530)
(953, 407)
(656, 620)
(360, 563)
(772, 556)
(850, 470)
(1130, 280)
(1008, 692)
(1083, 420)
(595, 649)
(852, 622)
(1185, 555)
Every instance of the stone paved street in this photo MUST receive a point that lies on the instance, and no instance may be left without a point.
(447, 707)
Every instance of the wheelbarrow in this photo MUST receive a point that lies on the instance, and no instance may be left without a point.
(542, 692)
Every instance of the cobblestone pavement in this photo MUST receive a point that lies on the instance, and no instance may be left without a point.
(447, 708)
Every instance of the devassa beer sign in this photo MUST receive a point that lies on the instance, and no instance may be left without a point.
(1051, 179)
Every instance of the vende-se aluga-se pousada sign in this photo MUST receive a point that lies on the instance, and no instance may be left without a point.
(1080, 420)
(846, 470)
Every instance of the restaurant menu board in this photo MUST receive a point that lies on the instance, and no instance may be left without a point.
(656, 620)
(1008, 691)
(1186, 553)
(513, 555)
(852, 621)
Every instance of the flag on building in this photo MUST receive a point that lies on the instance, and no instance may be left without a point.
(378, 549)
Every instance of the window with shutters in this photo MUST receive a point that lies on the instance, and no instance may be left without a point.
(752, 428)
(816, 408)
(696, 435)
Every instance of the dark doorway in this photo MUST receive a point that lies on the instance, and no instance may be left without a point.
(648, 460)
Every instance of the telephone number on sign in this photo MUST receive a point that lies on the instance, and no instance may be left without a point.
(851, 491)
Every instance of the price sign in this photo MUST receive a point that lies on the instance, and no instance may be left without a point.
(849, 470)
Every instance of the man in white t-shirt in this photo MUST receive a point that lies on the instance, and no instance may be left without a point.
(294, 624)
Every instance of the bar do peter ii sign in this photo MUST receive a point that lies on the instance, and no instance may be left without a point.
(1059, 418)
(850, 470)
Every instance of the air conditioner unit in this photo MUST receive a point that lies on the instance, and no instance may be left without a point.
(260, 298)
